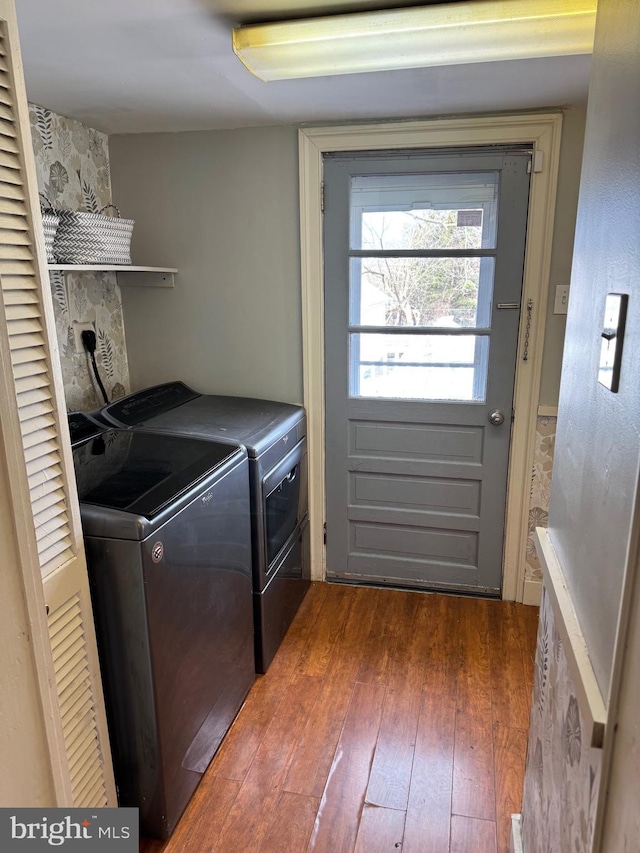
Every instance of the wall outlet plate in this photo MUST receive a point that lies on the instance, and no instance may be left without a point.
(561, 302)
(78, 329)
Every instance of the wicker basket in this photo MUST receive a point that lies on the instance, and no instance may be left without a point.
(93, 238)
(50, 221)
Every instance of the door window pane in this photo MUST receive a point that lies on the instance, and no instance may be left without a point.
(419, 366)
(436, 211)
(440, 292)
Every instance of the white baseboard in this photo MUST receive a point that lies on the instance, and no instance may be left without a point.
(532, 592)
(516, 834)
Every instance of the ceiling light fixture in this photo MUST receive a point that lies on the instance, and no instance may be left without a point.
(442, 34)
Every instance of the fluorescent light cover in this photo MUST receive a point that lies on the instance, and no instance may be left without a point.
(444, 34)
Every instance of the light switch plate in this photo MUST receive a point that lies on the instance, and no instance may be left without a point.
(562, 299)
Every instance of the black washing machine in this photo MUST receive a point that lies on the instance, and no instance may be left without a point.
(275, 437)
(166, 523)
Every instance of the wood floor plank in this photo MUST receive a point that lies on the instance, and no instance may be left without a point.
(473, 773)
(307, 752)
(509, 695)
(470, 835)
(326, 631)
(393, 759)
(314, 755)
(336, 825)
(380, 831)
(510, 753)
(291, 824)
(250, 815)
(243, 740)
(429, 809)
(387, 623)
(202, 822)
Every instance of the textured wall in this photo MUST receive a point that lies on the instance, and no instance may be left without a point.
(540, 490)
(72, 165)
(563, 773)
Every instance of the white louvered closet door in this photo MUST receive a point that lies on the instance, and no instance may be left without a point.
(36, 442)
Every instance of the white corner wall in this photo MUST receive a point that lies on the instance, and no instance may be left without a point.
(222, 207)
(597, 450)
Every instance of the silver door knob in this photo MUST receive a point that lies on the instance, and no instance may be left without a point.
(496, 417)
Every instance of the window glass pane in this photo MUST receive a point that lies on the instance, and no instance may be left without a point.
(434, 211)
(419, 367)
(440, 292)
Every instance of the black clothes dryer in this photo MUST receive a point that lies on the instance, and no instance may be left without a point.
(275, 437)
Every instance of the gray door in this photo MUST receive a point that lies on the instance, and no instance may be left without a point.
(424, 258)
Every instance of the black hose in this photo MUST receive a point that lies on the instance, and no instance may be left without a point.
(89, 342)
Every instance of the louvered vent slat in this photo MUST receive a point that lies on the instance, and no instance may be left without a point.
(13, 221)
(47, 487)
(45, 448)
(68, 673)
(52, 533)
(95, 797)
(8, 144)
(83, 781)
(75, 695)
(80, 744)
(39, 480)
(47, 518)
(14, 238)
(24, 341)
(20, 288)
(22, 310)
(14, 267)
(29, 398)
(31, 326)
(22, 370)
(77, 765)
(57, 555)
(7, 128)
(47, 501)
(49, 460)
(25, 356)
(7, 158)
(34, 438)
(28, 427)
(12, 191)
(16, 253)
(32, 383)
(10, 176)
(10, 205)
(20, 297)
(5, 112)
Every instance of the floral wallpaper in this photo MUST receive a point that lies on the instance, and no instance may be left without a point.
(562, 775)
(540, 490)
(72, 165)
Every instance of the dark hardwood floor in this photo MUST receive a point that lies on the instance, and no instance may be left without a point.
(387, 721)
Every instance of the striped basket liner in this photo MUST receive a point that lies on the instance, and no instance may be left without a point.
(93, 238)
(50, 221)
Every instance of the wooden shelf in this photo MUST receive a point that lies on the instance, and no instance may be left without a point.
(128, 275)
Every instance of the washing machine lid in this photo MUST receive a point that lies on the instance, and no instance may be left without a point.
(82, 426)
(173, 407)
(143, 473)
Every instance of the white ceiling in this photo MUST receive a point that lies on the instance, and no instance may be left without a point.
(130, 66)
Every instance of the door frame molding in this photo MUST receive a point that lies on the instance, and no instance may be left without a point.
(542, 130)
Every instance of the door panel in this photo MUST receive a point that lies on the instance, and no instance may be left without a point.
(420, 252)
